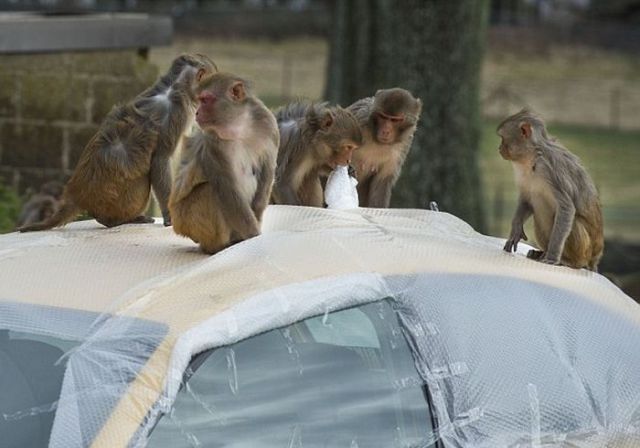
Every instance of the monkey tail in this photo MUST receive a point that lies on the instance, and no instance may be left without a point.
(67, 211)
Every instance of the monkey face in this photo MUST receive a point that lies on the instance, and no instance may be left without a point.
(387, 127)
(221, 105)
(515, 143)
(340, 134)
(344, 153)
(503, 149)
(205, 114)
(395, 112)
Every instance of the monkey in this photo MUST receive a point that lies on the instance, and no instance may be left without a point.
(314, 139)
(554, 188)
(226, 172)
(388, 121)
(130, 152)
(42, 204)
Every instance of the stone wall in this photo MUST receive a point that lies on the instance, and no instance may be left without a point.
(52, 104)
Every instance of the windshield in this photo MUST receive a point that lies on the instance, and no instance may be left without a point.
(343, 379)
(38, 344)
(31, 372)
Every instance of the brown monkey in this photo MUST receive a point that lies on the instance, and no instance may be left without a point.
(130, 152)
(314, 139)
(41, 205)
(226, 173)
(556, 190)
(388, 121)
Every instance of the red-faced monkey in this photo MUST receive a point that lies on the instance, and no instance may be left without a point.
(226, 173)
(388, 121)
(556, 190)
(41, 205)
(314, 139)
(130, 152)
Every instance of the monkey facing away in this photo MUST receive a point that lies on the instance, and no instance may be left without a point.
(554, 188)
(388, 121)
(130, 153)
(41, 205)
(314, 139)
(225, 177)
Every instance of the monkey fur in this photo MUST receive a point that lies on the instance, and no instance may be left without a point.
(41, 205)
(130, 153)
(554, 188)
(226, 174)
(315, 138)
(388, 121)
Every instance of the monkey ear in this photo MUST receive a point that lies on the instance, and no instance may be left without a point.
(237, 91)
(200, 74)
(525, 129)
(326, 121)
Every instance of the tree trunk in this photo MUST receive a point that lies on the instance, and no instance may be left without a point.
(433, 49)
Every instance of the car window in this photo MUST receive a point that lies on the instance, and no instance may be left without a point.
(37, 345)
(31, 372)
(342, 379)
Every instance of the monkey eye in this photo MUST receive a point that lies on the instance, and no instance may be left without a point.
(391, 118)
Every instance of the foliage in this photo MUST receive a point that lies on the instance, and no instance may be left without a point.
(10, 204)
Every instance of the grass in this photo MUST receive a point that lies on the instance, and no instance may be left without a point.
(561, 62)
(611, 157)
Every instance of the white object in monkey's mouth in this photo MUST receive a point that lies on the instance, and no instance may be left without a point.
(340, 191)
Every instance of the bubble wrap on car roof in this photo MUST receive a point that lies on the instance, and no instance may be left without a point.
(514, 352)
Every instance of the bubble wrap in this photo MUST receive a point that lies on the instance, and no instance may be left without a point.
(515, 353)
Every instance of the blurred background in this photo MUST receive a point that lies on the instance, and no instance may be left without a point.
(576, 62)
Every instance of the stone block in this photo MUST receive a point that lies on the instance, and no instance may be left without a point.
(27, 145)
(78, 139)
(7, 95)
(54, 98)
(49, 63)
(109, 63)
(79, 102)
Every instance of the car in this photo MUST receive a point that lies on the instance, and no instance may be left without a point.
(333, 328)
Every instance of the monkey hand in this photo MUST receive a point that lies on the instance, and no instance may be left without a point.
(166, 218)
(517, 234)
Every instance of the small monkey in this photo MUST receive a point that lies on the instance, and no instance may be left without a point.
(388, 121)
(554, 188)
(130, 153)
(314, 139)
(225, 177)
(41, 205)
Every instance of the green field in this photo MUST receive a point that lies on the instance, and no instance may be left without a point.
(611, 157)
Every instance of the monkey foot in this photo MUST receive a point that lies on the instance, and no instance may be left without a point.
(551, 262)
(141, 220)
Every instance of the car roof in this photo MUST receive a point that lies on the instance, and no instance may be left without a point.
(292, 271)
